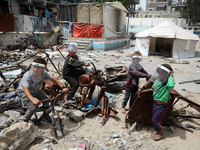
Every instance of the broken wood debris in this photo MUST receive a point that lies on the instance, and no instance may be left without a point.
(141, 110)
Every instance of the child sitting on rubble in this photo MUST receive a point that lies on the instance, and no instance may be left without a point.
(163, 83)
(72, 69)
(29, 88)
(135, 72)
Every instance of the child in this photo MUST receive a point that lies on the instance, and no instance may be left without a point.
(164, 82)
(29, 88)
(135, 72)
(73, 69)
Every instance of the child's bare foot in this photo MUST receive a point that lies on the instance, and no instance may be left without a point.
(123, 111)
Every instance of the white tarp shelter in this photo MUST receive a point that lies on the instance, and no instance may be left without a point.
(166, 39)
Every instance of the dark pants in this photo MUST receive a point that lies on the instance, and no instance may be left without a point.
(73, 81)
(31, 108)
(130, 92)
(159, 112)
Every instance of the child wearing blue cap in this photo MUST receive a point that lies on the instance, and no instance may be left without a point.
(72, 69)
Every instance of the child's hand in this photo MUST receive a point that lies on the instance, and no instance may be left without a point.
(171, 74)
(87, 64)
(153, 87)
(36, 102)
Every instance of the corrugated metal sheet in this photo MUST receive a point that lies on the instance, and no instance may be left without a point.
(7, 22)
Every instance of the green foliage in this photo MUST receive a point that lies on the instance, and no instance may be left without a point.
(191, 11)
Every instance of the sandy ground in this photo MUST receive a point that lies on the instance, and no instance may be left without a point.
(91, 128)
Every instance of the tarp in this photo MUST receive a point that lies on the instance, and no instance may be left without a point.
(96, 31)
(81, 30)
(167, 29)
(183, 42)
(90, 14)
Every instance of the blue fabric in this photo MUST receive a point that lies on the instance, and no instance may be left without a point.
(9, 95)
(91, 104)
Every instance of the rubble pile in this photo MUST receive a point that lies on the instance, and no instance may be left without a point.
(94, 125)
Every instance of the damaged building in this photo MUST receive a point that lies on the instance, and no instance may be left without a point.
(25, 22)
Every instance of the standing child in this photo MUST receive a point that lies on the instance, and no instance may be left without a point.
(29, 88)
(73, 69)
(135, 72)
(163, 83)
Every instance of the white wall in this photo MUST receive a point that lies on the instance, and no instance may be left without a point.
(114, 20)
(151, 22)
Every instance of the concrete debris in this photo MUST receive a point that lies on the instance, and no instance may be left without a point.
(58, 108)
(119, 51)
(18, 136)
(5, 123)
(14, 115)
(29, 52)
(75, 115)
(102, 146)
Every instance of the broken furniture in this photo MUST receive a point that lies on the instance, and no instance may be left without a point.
(24, 69)
(141, 110)
(87, 83)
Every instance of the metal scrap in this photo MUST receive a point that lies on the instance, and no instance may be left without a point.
(141, 110)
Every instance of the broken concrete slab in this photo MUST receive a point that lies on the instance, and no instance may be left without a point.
(14, 115)
(75, 115)
(18, 136)
(4, 122)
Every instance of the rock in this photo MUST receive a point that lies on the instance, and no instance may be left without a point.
(58, 108)
(47, 140)
(18, 136)
(3, 119)
(183, 89)
(14, 115)
(129, 55)
(4, 123)
(185, 62)
(75, 115)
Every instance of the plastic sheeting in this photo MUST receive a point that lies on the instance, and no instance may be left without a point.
(142, 45)
(81, 30)
(96, 31)
(167, 29)
(90, 14)
(183, 48)
(180, 49)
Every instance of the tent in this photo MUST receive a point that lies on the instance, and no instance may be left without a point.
(166, 39)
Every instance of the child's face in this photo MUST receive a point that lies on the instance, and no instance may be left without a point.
(161, 75)
(137, 60)
(37, 70)
(72, 53)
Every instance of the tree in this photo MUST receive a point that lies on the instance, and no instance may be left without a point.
(139, 8)
(191, 11)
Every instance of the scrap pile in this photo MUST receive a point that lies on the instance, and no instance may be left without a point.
(141, 110)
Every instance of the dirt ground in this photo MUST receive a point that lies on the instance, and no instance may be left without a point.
(129, 139)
